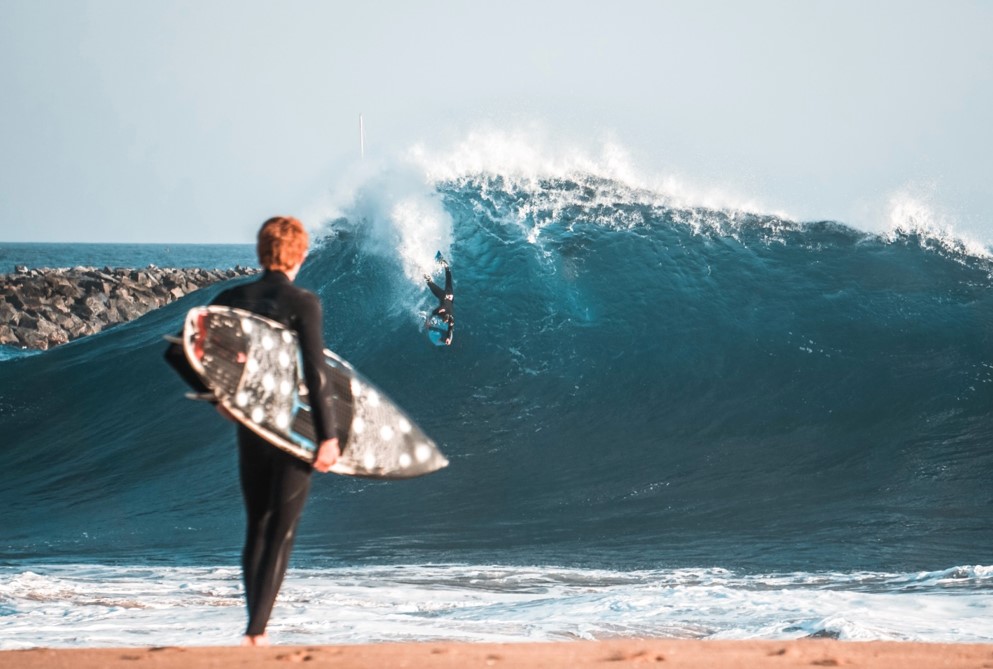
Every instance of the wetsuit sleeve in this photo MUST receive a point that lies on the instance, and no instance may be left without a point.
(309, 323)
(176, 359)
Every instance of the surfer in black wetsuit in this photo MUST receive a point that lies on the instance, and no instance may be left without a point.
(274, 483)
(446, 307)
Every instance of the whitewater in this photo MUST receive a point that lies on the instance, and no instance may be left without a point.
(668, 414)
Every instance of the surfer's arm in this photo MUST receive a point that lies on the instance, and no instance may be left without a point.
(311, 337)
(176, 359)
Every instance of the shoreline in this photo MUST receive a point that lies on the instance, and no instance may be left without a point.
(670, 653)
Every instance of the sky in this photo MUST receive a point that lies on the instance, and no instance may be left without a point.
(173, 121)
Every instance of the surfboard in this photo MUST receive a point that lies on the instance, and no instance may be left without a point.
(437, 330)
(252, 366)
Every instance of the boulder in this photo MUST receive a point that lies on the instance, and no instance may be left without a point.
(8, 314)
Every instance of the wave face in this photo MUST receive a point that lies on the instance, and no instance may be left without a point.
(633, 384)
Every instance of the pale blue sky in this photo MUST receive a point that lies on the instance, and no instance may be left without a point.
(142, 121)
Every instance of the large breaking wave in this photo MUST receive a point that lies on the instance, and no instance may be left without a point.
(635, 382)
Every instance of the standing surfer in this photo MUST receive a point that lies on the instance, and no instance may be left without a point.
(273, 482)
(446, 307)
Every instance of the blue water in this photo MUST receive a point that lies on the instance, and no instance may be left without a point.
(650, 411)
(206, 256)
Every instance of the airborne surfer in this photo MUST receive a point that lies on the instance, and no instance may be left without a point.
(445, 311)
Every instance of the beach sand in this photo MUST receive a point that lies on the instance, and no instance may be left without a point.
(673, 654)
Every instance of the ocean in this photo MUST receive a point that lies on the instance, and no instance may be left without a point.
(663, 420)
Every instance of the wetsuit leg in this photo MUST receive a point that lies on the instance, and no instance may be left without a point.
(275, 486)
(436, 289)
(448, 282)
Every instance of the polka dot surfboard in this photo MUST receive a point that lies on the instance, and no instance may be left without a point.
(252, 366)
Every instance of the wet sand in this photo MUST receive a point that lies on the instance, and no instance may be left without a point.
(673, 654)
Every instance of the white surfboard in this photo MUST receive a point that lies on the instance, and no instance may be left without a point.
(252, 366)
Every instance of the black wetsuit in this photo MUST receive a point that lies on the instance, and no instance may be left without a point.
(274, 483)
(446, 310)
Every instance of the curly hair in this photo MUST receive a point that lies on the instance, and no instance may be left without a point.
(282, 243)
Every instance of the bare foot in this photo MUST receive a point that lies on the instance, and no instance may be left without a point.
(256, 640)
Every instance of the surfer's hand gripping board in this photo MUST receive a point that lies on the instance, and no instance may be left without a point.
(327, 454)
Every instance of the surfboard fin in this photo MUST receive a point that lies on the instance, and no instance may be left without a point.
(202, 397)
(173, 339)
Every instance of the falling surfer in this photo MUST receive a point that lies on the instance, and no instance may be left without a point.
(441, 323)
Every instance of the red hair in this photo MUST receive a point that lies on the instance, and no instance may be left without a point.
(282, 243)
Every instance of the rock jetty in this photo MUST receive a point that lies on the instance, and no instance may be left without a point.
(42, 308)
